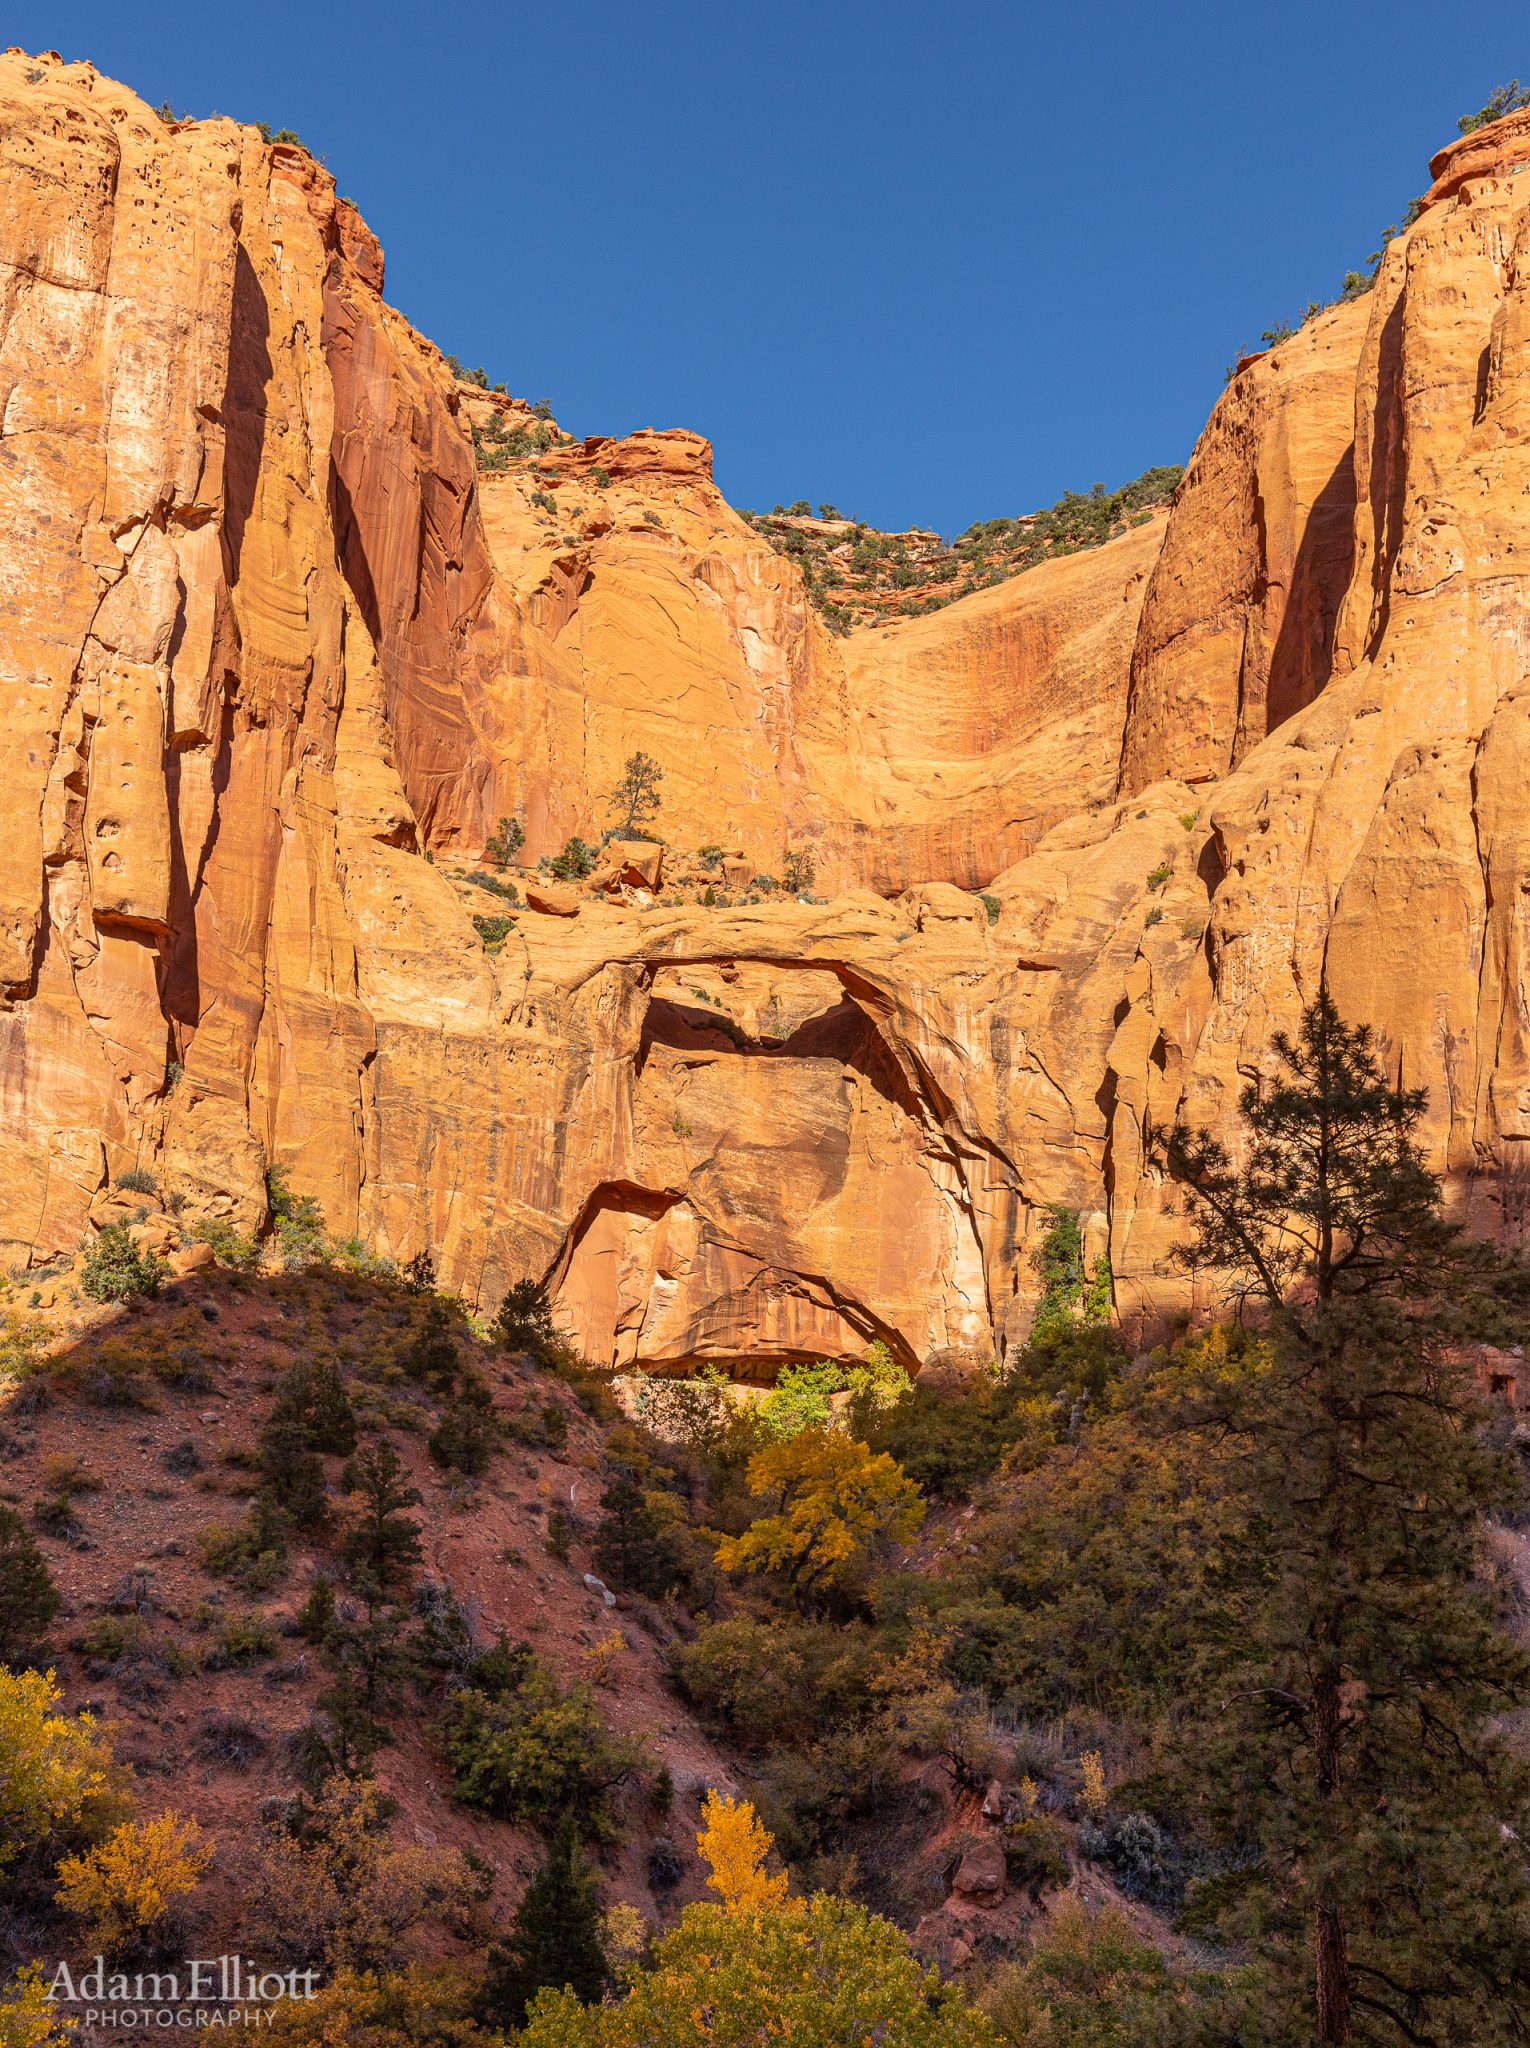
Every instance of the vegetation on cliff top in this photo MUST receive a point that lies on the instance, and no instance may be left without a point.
(1503, 100)
(857, 576)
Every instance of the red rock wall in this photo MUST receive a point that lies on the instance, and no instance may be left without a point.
(270, 640)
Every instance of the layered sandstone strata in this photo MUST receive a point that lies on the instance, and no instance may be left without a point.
(277, 655)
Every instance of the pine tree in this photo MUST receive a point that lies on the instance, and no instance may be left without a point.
(430, 1356)
(636, 796)
(469, 1431)
(28, 1597)
(524, 1322)
(327, 1410)
(292, 1474)
(554, 1939)
(502, 846)
(1346, 1753)
(319, 1613)
(382, 1544)
(634, 1548)
(419, 1274)
(353, 1736)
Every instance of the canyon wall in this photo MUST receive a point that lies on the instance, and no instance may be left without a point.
(276, 653)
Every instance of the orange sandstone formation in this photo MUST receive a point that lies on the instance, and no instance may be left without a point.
(278, 655)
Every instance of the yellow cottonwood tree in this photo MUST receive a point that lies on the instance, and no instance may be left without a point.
(127, 1884)
(762, 1967)
(734, 1844)
(836, 1503)
(55, 1769)
(822, 1972)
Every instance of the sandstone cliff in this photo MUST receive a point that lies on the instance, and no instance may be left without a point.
(277, 655)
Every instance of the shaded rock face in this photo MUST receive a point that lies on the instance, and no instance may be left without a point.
(1238, 626)
(269, 638)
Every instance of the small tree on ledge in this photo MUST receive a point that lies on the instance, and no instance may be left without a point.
(636, 796)
(502, 846)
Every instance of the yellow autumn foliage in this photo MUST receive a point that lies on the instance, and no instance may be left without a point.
(126, 1885)
(56, 1774)
(734, 1844)
(837, 1503)
(28, 2017)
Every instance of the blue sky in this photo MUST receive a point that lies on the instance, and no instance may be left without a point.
(931, 263)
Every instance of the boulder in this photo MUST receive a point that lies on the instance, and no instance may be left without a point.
(639, 863)
(191, 1258)
(980, 1876)
(553, 899)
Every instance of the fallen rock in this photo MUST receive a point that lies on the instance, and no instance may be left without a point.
(639, 863)
(553, 899)
(980, 1876)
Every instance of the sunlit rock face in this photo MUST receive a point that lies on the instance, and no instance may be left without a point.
(276, 655)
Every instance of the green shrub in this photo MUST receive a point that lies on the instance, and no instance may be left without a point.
(469, 1432)
(801, 1397)
(776, 1683)
(314, 1395)
(1141, 1855)
(506, 891)
(574, 863)
(54, 1515)
(299, 1222)
(241, 1639)
(28, 1597)
(1091, 1981)
(1504, 99)
(138, 1180)
(993, 906)
(115, 1270)
(493, 930)
(522, 1749)
(109, 1640)
(230, 1247)
(1067, 1290)
(540, 1426)
(251, 1553)
(798, 871)
(1036, 1854)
